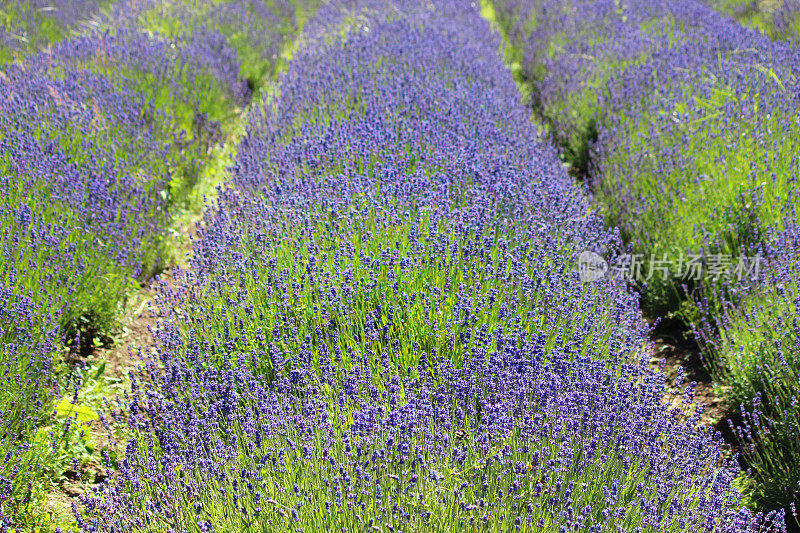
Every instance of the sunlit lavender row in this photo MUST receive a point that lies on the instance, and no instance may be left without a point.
(102, 138)
(383, 327)
(685, 123)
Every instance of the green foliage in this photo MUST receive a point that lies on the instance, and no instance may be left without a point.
(72, 437)
(755, 357)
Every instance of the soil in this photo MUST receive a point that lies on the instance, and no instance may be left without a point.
(673, 347)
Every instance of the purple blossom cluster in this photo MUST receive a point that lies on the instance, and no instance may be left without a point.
(383, 327)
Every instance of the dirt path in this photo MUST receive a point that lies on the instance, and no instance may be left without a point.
(673, 349)
(106, 372)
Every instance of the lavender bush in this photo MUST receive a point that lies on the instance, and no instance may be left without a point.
(384, 329)
(105, 135)
(754, 350)
(27, 388)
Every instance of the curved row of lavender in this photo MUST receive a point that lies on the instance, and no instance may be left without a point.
(101, 138)
(29, 25)
(384, 329)
(650, 99)
(687, 125)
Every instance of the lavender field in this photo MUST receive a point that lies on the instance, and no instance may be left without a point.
(399, 266)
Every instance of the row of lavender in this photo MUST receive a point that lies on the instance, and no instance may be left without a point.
(686, 124)
(27, 25)
(102, 137)
(383, 328)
